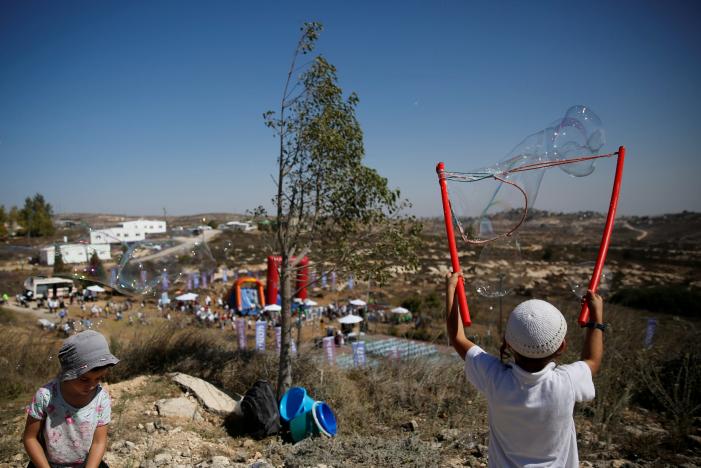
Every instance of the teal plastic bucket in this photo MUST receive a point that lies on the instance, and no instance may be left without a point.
(324, 419)
(295, 402)
(302, 426)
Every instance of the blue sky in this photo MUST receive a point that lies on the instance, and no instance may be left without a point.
(130, 107)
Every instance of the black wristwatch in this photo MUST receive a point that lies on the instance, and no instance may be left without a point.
(600, 326)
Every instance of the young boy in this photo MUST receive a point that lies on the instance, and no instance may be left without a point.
(531, 402)
(67, 418)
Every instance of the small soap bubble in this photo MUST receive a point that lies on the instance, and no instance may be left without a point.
(499, 268)
(579, 276)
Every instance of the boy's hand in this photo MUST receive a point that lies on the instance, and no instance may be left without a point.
(596, 306)
(451, 279)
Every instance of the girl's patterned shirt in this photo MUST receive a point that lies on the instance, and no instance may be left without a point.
(68, 431)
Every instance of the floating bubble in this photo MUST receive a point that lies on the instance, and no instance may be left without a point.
(579, 276)
(146, 268)
(499, 268)
(579, 133)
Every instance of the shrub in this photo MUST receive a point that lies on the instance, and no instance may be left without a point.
(670, 299)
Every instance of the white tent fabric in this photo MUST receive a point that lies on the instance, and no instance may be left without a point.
(400, 310)
(272, 308)
(309, 302)
(350, 319)
(186, 297)
(358, 302)
(95, 288)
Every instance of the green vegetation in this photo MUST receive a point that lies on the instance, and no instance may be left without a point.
(36, 215)
(327, 201)
(670, 299)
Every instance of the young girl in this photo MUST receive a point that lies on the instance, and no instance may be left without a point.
(531, 402)
(67, 418)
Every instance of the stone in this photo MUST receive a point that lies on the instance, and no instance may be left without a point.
(448, 435)
(163, 459)
(622, 463)
(140, 427)
(411, 426)
(178, 408)
(150, 428)
(220, 460)
(211, 397)
(247, 443)
(261, 464)
(240, 456)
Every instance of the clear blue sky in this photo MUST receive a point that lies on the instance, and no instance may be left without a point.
(132, 106)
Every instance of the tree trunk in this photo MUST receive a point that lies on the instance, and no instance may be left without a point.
(284, 376)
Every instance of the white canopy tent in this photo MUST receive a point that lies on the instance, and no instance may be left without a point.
(350, 319)
(309, 303)
(357, 302)
(272, 308)
(186, 297)
(95, 288)
(399, 310)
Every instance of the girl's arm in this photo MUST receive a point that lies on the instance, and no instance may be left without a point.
(593, 350)
(456, 332)
(97, 449)
(30, 439)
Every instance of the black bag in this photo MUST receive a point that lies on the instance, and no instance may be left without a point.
(260, 411)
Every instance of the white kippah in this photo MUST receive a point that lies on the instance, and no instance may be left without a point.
(535, 329)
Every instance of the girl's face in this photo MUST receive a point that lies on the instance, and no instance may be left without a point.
(85, 384)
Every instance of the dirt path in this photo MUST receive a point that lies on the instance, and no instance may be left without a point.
(642, 234)
(31, 310)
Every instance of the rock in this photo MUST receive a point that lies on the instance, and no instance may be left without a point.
(586, 464)
(148, 464)
(140, 427)
(129, 445)
(163, 459)
(411, 426)
(240, 456)
(150, 428)
(247, 443)
(261, 464)
(18, 457)
(178, 408)
(480, 451)
(448, 435)
(187, 453)
(634, 431)
(210, 396)
(220, 461)
(621, 463)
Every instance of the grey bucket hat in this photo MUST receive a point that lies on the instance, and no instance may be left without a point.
(82, 353)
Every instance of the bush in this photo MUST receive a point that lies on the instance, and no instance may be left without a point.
(669, 299)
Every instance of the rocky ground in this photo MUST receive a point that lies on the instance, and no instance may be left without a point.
(144, 433)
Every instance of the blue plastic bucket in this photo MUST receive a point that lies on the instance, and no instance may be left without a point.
(294, 402)
(324, 419)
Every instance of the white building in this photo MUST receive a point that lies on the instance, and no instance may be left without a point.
(236, 226)
(75, 253)
(128, 231)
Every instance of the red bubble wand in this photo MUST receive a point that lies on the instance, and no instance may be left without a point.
(443, 176)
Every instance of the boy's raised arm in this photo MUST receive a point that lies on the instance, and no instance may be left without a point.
(593, 349)
(456, 333)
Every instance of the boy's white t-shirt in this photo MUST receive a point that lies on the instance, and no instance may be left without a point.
(530, 414)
